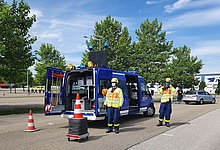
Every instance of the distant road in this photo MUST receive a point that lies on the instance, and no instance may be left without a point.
(20, 100)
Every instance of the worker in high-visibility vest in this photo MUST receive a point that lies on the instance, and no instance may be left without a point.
(113, 102)
(166, 92)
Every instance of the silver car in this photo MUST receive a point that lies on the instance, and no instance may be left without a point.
(198, 96)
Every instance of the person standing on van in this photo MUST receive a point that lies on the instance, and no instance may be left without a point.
(113, 102)
(179, 94)
(166, 92)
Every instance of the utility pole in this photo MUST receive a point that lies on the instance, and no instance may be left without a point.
(27, 84)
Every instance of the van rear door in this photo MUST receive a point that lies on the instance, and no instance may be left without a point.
(54, 101)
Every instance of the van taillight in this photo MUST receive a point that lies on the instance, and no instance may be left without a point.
(93, 105)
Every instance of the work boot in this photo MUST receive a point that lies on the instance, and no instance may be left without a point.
(160, 123)
(116, 132)
(167, 124)
(108, 131)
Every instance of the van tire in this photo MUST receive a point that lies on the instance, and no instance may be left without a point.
(150, 111)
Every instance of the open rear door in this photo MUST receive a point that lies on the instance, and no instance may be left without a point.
(54, 101)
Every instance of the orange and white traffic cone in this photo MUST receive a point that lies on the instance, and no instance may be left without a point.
(3, 94)
(31, 127)
(77, 108)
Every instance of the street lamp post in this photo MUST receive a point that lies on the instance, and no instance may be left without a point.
(35, 53)
(27, 83)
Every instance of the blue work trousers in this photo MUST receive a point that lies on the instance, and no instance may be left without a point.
(165, 110)
(113, 118)
(179, 98)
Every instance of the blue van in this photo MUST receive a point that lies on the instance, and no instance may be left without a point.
(61, 89)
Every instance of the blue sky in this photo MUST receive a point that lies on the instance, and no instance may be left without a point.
(194, 23)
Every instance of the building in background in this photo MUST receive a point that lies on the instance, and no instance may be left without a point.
(211, 81)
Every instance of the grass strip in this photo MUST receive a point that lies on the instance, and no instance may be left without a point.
(21, 111)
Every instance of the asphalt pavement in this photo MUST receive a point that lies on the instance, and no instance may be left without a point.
(201, 133)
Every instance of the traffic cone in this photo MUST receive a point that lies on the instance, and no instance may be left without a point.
(31, 127)
(3, 94)
(77, 108)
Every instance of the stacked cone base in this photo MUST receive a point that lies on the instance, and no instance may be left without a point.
(78, 129)
(78, 126)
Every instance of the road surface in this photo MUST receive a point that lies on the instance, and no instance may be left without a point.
(136, 132)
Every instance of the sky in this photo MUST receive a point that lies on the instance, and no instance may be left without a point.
(194, 23)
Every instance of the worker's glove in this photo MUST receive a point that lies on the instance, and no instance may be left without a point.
(105, 107)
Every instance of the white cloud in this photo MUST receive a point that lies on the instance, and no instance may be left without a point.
(205, 48)
(49, 35)
(189, 4)
(177, 5)
(194, 19)
(75, 60)
(154, 2)
(55, 23)
(37, 13)
(170, 32)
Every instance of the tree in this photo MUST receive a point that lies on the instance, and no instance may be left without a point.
(14, 27)
(202, 85)
(217, 91)
(48, 56)
(183, 67)
(151, 52)
(118, 39)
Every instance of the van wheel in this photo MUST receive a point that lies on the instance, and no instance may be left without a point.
(150, 111)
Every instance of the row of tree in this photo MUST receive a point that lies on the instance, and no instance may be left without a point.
(151, 54)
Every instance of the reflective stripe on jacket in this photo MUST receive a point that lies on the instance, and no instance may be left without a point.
(114, 99)
(167, 94)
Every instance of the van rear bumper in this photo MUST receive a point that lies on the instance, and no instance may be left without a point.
(88, 115)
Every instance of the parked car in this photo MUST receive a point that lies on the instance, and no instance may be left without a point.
(198, 96)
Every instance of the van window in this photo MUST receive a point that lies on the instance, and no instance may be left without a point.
(104, 84)
(122, 85)
(144, 89)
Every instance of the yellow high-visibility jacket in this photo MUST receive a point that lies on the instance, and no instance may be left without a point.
(114, 99)
(167, 94)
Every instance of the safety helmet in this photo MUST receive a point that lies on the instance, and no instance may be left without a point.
(168, 79)
(114, 80)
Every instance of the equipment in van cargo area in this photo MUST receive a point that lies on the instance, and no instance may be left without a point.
(89, 83)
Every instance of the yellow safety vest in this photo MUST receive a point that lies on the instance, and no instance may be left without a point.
(166, 95)
(114, 99)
